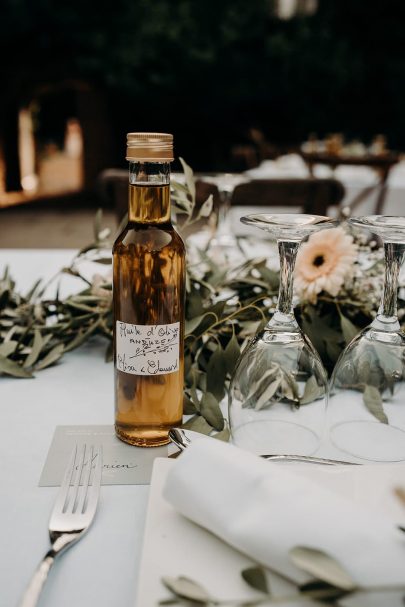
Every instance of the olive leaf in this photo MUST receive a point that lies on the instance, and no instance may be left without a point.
(224, 435)
(255, 371)
(206, 207)
(270, 277)
(107, 261)
(264, 399)
(349, 330)
(256, 578)
(193, 379)
(8, 348)
(198, 424)
(187, 588)
(322, 566)
(290, 387)
(189, 177)
(370, 371)
(210, 410)
(197, 322)
(82, 336)
(318, 590)
(322, 332)
(312, 391)
(51, 358)
(194, 304)
(333, 349)
(37, 346)
(216, 373)
(232, 353)
(192, 324)
(10, 367)
(33, 291)
(373, 401)
(189, 407)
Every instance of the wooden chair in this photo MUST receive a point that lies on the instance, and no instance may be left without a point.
(312, 196)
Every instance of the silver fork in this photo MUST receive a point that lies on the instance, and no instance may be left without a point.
(72, 513)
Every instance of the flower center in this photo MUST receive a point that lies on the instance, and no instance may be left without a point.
(318, 261)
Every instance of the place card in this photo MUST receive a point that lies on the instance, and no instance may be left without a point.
(123, 464)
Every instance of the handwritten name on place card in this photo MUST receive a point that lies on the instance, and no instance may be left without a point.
(122, 464)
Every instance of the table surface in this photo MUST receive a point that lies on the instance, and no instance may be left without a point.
(102, 569)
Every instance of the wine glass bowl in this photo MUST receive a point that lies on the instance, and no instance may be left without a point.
(278, 395)
(278, 392)
(366, 415)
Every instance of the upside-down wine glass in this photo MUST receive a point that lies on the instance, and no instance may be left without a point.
(366, 415)
(226, 183)
(278, 394)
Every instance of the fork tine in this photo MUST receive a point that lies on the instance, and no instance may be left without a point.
(76, 486)
(94, 488)
(62, 496)
(81, 503)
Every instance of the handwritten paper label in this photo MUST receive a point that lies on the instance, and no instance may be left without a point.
(147, 349)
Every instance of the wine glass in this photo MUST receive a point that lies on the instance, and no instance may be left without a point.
(366, 415)
(277, 396)
(226, 183)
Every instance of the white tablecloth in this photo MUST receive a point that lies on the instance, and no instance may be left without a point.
(101, 569)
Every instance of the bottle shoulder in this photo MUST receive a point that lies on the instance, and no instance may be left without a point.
(149, 237)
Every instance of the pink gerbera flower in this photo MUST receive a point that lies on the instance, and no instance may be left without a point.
(324, 262)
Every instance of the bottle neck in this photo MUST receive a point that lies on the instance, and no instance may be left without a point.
(149, 192)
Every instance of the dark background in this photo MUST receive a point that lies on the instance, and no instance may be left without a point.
(205, 70)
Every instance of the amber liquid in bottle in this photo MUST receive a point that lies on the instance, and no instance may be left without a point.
(149, 278)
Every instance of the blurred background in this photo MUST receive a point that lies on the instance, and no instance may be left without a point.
(238, 83)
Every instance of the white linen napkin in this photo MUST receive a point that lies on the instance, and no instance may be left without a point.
(263, 510)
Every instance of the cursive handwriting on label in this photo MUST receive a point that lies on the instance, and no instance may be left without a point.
(147, 349)
(112, 466)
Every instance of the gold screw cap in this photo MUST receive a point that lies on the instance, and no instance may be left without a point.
(150, 147)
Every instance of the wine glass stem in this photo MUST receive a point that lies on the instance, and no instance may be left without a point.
(223, 227)
(288, 252)
(394, 255)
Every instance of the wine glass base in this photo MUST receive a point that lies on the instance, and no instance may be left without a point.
(275, 437)
(371, 441)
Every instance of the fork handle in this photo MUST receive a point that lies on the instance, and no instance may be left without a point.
(59, 543)
(34, 588)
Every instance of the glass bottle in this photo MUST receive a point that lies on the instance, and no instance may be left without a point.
(149, 292)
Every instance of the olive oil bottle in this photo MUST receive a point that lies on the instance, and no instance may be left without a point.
(149, 293)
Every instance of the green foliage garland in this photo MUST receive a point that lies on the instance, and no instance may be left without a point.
(225, 308)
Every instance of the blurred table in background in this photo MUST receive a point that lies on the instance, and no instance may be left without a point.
(381, 165)
(363, 180)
